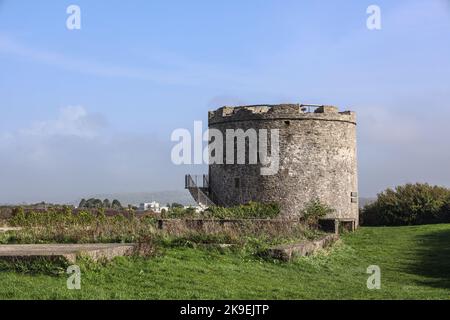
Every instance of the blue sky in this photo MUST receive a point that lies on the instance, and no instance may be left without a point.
(91, 111)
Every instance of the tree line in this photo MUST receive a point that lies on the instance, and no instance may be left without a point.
(94, 203)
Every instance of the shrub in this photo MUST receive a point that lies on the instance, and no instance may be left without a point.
(176, 212)
(410, 204)
(315, 210)
(147, 246)
(176, 205)
(18, 217)
(251, 210)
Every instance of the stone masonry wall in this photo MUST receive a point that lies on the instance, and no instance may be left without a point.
(317, 159)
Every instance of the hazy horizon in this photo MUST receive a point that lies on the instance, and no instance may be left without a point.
(163, 196)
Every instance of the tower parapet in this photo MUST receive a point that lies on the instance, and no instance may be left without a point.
(280, 111)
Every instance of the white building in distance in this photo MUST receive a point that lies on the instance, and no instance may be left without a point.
(153, 206)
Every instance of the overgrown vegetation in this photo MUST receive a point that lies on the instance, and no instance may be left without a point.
(34, 265)
(64, 226)
(246, 230)
(410, 204)
(179, 212)
(315, 210)
(414, 262)
(68, 226)
(251, 210)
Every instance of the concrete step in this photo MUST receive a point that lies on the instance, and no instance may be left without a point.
(6, 229)
(67, 251)
(305, 248)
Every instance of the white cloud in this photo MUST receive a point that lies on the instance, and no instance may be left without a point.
(75, 155)
(72, 121)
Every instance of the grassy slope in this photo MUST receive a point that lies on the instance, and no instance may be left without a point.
(414, 261)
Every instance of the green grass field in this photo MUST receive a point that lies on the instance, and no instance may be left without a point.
(414, 262)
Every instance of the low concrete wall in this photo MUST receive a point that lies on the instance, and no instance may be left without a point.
(68, 252)
(7, 229)
(289, 251)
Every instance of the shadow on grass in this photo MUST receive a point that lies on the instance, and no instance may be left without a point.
(433, 259)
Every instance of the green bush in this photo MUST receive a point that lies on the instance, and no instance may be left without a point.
(315, 210)
(251, 210)
(18, 217)
(176, 212)
(410, 204)
(63, 216)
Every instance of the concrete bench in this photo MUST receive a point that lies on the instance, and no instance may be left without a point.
(66, 251)
(288, 251)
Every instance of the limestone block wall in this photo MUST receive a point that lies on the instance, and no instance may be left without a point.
(317, 159)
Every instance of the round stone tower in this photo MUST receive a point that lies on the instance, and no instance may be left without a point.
(316, 148)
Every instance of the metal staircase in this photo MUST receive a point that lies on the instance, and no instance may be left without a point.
(198, 186)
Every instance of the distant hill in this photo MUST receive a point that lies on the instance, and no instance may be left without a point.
(135, 198)
(163, 197)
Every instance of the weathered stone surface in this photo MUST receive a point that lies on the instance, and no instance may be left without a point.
(290, 251)
(317, 159)
(67, 251)
(6, 229)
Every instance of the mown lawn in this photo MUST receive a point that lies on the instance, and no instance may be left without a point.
(414, 262)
